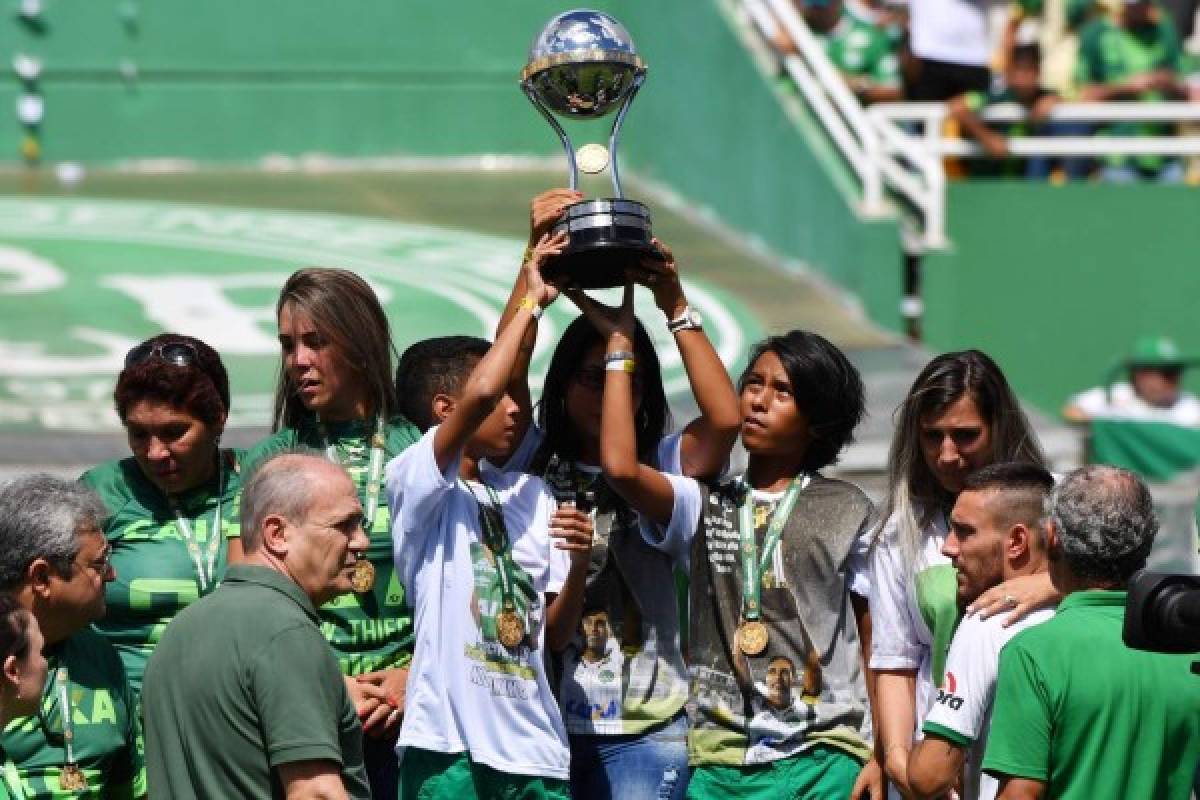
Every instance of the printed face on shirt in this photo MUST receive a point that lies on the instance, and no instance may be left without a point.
(77, 594)
(975, 545)
(772, 423)
(175, 451)
(955, 442)
(596, 632)
(322, 546)
(320, 375)
(780, 677)
(26, 675)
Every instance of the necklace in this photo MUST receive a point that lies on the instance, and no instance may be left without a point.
(206, 562)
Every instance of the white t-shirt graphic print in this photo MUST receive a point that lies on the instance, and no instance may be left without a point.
(467, 691)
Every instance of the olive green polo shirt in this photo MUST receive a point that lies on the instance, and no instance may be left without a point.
(1091, 718)
(242, 682)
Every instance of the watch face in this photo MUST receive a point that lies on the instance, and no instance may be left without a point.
(694, 318)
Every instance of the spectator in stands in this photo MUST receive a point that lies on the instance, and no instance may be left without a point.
(1077, 713)
(1054, 26)
(1151, 393)
(951, 47)
(243, 697)
(996, 533)
(860, 49)
(86, 739)
(1022, 85)
(1135, 59)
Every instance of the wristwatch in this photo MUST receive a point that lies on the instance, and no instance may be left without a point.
(689, 320)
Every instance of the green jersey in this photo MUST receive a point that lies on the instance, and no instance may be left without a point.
(371, 630)
(158, 572)
(858, 47)
(100, 712)
(1111, 53)
(1079, 711)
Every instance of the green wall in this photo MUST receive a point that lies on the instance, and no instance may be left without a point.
(231, 81)
(1057, 282)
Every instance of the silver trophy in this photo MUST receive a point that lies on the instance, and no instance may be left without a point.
(583, 65)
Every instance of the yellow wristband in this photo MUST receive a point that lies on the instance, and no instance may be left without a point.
(528, 255)
(626, 365)
(528, 302)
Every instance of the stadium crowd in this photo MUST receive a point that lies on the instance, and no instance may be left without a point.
(424, 584)
(1034, 53)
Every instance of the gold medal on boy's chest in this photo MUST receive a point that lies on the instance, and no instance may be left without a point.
(364, 575)
(752, 637)
(71, 778)
(510, 630)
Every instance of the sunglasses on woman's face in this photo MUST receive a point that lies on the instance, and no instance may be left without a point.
(179, 354)
(593, 378)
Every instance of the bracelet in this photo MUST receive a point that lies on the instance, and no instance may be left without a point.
(535, 310)
(619, 355)
(525, 259)
(626, 365)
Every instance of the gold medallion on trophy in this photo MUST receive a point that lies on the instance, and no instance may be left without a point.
(752, 637)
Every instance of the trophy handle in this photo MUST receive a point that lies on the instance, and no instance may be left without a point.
(562, 135)
(638, 80)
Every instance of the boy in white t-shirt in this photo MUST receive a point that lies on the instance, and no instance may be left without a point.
(490, 567)
(996, 533)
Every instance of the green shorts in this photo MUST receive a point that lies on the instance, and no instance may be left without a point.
(426, 775)
(822, 773)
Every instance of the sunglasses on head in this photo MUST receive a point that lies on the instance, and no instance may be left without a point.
(179, 354)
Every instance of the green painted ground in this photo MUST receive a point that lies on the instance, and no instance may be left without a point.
(86, 273)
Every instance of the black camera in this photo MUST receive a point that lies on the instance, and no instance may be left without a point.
(1162, 613)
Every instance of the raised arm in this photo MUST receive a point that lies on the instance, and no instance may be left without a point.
(645, 489)
(707, 439)
(489, 381)
(544, 211)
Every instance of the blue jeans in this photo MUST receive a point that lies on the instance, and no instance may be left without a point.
(651, 765)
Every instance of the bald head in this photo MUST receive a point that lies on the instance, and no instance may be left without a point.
(283, 485)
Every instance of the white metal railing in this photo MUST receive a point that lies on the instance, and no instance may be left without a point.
(830, 99)
(914, 144)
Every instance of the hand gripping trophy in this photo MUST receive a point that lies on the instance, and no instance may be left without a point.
(583, 65)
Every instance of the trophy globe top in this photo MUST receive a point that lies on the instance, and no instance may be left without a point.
(582, 64)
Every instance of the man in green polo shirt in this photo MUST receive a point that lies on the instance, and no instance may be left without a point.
(1078, 715)
(85, 741)
(242, 697)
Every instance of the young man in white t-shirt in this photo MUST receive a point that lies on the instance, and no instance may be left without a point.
(491, 565)
(996, 533)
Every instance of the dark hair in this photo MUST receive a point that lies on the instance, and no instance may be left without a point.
(1029, 52)
(345, 311)
(201, 389)
(14, 629)
(1026, 488)
(435, 366)
(827, 388)
(650, 421)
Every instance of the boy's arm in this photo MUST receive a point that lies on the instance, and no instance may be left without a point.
(962, 109)
(708, 438)
(489, 381)
(647, 490)
(544, 211)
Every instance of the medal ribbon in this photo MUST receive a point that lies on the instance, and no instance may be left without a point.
(206, 563)
(754, 565)
(12, 779)
(374, 470)
(495, 538)
(63, 679)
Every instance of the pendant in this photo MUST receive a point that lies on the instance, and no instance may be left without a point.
(509, 628)
(752, 637)
(71, 778)
(364, 575)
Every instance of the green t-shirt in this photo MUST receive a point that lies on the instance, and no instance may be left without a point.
(156, 576)
(1078, 710)
(373, 630)
(103, 712)
(242, 683)
(1112, 53)
(857, 47)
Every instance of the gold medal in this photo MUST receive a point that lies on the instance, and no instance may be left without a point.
(364, 575)
(752, 637)
(71, 778)
(509, 628)
(592, 158)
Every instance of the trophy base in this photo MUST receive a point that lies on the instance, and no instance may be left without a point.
(604, 237)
